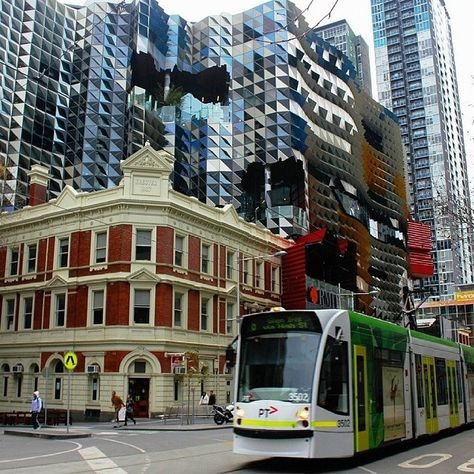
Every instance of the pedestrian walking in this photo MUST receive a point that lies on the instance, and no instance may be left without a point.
(36, 406)
(129, 406)
(212, 398)
(117, 403)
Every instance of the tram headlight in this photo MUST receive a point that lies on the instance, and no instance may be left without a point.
(303, 414)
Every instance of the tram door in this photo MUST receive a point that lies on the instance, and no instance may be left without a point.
(453, 394)
(361, 411)
(430, 395)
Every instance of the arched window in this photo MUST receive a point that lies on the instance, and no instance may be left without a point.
(6, 372)
(18, 371)
(93, 370)
(58, 380)
(34, 369)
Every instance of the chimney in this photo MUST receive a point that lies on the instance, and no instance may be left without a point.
(39, 178)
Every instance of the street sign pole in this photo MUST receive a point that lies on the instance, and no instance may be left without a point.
(68, 399)
(70, 362)
(45, 397)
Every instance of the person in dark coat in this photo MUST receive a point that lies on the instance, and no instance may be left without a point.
(212, 398)
(129, 406)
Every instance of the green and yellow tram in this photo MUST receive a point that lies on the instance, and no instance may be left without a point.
(333, 383)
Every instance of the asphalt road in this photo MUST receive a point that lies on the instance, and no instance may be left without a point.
(124, 451)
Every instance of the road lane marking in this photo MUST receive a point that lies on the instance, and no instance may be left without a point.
(146, 462)
(99, 462)
(367, 470)
(78, 446)
(126, 444)
(409, 464)
(467, 466)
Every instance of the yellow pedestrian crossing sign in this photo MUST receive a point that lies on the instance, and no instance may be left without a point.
(70, 360)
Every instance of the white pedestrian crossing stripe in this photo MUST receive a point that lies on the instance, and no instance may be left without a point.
(99, 462)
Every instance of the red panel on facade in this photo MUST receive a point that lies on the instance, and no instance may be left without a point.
(419, 250)
(294, 271)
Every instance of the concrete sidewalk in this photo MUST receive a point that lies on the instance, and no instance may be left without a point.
(154, 424)
(86, 429)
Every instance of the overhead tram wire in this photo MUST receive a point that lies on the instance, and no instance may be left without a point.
(301, 35)
(297, 17)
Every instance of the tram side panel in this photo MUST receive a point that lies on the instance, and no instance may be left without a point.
(438, 396)
(468, 381)
(381, 383)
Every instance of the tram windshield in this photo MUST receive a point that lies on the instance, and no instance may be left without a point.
(277, 356)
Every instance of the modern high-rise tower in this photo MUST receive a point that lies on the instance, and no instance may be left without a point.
(342, 36)
(416, 79)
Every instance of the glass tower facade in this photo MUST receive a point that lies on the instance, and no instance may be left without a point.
(341, 35)
(416, 79)
(257, 110)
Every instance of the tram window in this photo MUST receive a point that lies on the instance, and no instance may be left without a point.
(389, 357)
(419, 381)
(333, 391)
(459, 380)
(441, 381)
(378, 386)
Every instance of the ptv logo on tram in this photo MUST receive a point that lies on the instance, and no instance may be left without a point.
(267, 411)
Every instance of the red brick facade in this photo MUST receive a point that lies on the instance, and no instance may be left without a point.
(117, 313)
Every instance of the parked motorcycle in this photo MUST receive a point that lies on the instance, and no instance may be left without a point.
(223, 414)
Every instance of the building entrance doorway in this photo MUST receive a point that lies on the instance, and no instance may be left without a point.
(139, 389)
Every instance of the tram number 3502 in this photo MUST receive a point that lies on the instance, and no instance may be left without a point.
(298, 397)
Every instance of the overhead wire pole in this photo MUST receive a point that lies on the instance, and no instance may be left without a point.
(352, 294)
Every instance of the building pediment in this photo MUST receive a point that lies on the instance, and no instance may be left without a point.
(146, 174)
(144, 275)
(149, 160)
(67, 198)
(56, 282)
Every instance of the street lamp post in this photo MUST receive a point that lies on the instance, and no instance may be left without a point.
(280, 253)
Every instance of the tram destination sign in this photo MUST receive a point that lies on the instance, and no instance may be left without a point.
(280, 321)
